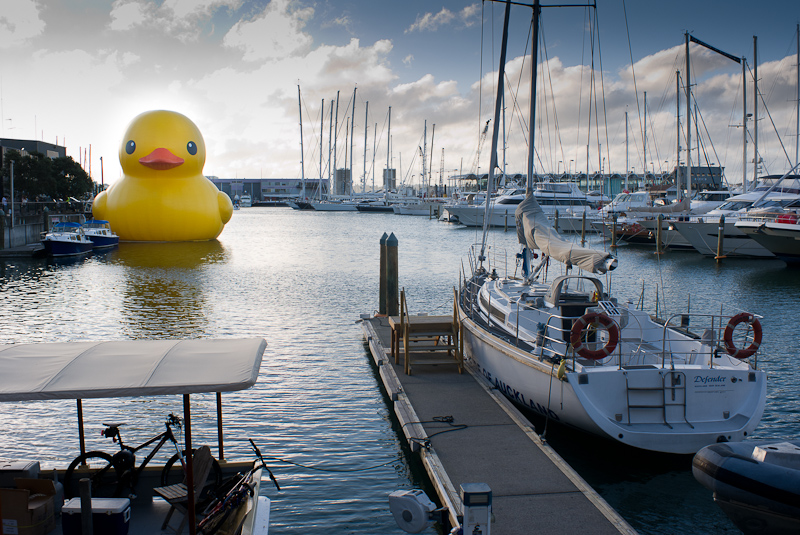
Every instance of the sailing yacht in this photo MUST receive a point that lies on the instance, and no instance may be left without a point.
(570, 351)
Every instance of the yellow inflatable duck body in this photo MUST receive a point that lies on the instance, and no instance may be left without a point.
(163, 195)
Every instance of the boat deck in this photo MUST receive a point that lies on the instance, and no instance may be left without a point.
(532, 487)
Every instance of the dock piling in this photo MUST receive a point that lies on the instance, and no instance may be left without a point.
(392, 279)
(382, 284)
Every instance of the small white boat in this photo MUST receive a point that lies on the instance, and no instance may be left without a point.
(66, 239)
(757, 484)
(245, 201)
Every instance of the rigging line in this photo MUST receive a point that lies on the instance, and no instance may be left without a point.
(708, 135)
(633, 72)
(580, 98)
(766, 108)
(546, 114)
(602, 86)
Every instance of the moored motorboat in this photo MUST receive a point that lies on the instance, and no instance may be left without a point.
(777, 232)
(99, 231)
(88, 370)
(66, 239)
(757, 484)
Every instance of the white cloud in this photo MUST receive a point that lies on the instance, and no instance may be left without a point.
(127, 15)
(431, 22)
(19, 22)
(277, 33)
(408, 60)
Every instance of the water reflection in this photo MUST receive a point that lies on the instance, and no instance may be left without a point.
(165, 294)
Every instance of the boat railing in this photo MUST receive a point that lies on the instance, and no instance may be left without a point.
(790, 218)
(717, 331)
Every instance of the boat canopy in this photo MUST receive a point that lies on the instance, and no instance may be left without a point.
(78, 370)
(535, 231)
(68, 224)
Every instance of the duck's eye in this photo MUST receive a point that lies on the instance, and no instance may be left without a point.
(130, 146)
(192, 148)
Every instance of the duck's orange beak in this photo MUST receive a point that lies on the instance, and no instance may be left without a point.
(161, 160)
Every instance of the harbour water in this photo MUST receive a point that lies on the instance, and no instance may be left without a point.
(300, 280)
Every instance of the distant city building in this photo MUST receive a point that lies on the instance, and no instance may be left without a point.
(270, 189)
(26, 146)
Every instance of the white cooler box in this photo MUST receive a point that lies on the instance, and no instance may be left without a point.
(110, 516)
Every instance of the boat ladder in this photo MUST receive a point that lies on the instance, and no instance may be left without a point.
(657, 397)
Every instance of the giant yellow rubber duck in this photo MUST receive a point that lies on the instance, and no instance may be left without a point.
(163, 195)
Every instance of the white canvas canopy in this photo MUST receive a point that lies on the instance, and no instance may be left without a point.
(536, 232)
(80, 370)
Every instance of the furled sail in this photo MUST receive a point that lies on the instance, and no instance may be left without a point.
(535, 232)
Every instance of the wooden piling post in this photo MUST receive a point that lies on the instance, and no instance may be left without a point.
(392, 279)
(583, 229)
(659, 221)
(614, 232)
(720, 240)
(555, 220)
(382, 284)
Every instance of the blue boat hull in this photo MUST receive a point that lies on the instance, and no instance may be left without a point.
(64, 248)
(104, 242)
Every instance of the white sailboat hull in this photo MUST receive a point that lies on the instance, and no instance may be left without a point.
(661, 389)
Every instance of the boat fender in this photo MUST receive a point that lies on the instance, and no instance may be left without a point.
(727, 337)
(591, 318)
(562, 369)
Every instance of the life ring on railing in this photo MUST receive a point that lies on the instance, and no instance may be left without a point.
(727, 337)
(589, 319)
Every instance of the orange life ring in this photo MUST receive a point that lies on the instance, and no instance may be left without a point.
(589, 319)
(727, 337)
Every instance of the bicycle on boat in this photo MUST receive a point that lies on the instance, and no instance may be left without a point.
(117, 475)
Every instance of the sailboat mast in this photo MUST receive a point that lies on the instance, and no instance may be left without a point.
(532, 120)
(388, 156)
(335, 135)
(302, 164)
(744, 125)
(797, 124)
(321, 132)
(627, 162)
(678, 133)
(755, 110)
(366, 122)
(330, 140)
(644, 137)
(688, 123)
(430, 162)
(352, 132)
(424, 154)
(501, 72)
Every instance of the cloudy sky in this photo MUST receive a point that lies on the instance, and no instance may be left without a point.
(78, 71)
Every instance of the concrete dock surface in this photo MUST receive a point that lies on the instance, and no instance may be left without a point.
(487, 441)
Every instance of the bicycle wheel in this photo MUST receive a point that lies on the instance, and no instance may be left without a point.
(99, 468)
(172, 477)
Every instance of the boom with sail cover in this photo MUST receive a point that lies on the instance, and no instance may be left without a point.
(534, 231)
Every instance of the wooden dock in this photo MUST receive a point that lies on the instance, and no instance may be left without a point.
(465, 431)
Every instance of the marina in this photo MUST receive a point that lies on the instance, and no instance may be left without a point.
(318, 401)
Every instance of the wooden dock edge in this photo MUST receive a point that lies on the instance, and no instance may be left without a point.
(448, 495)
(444, 487)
